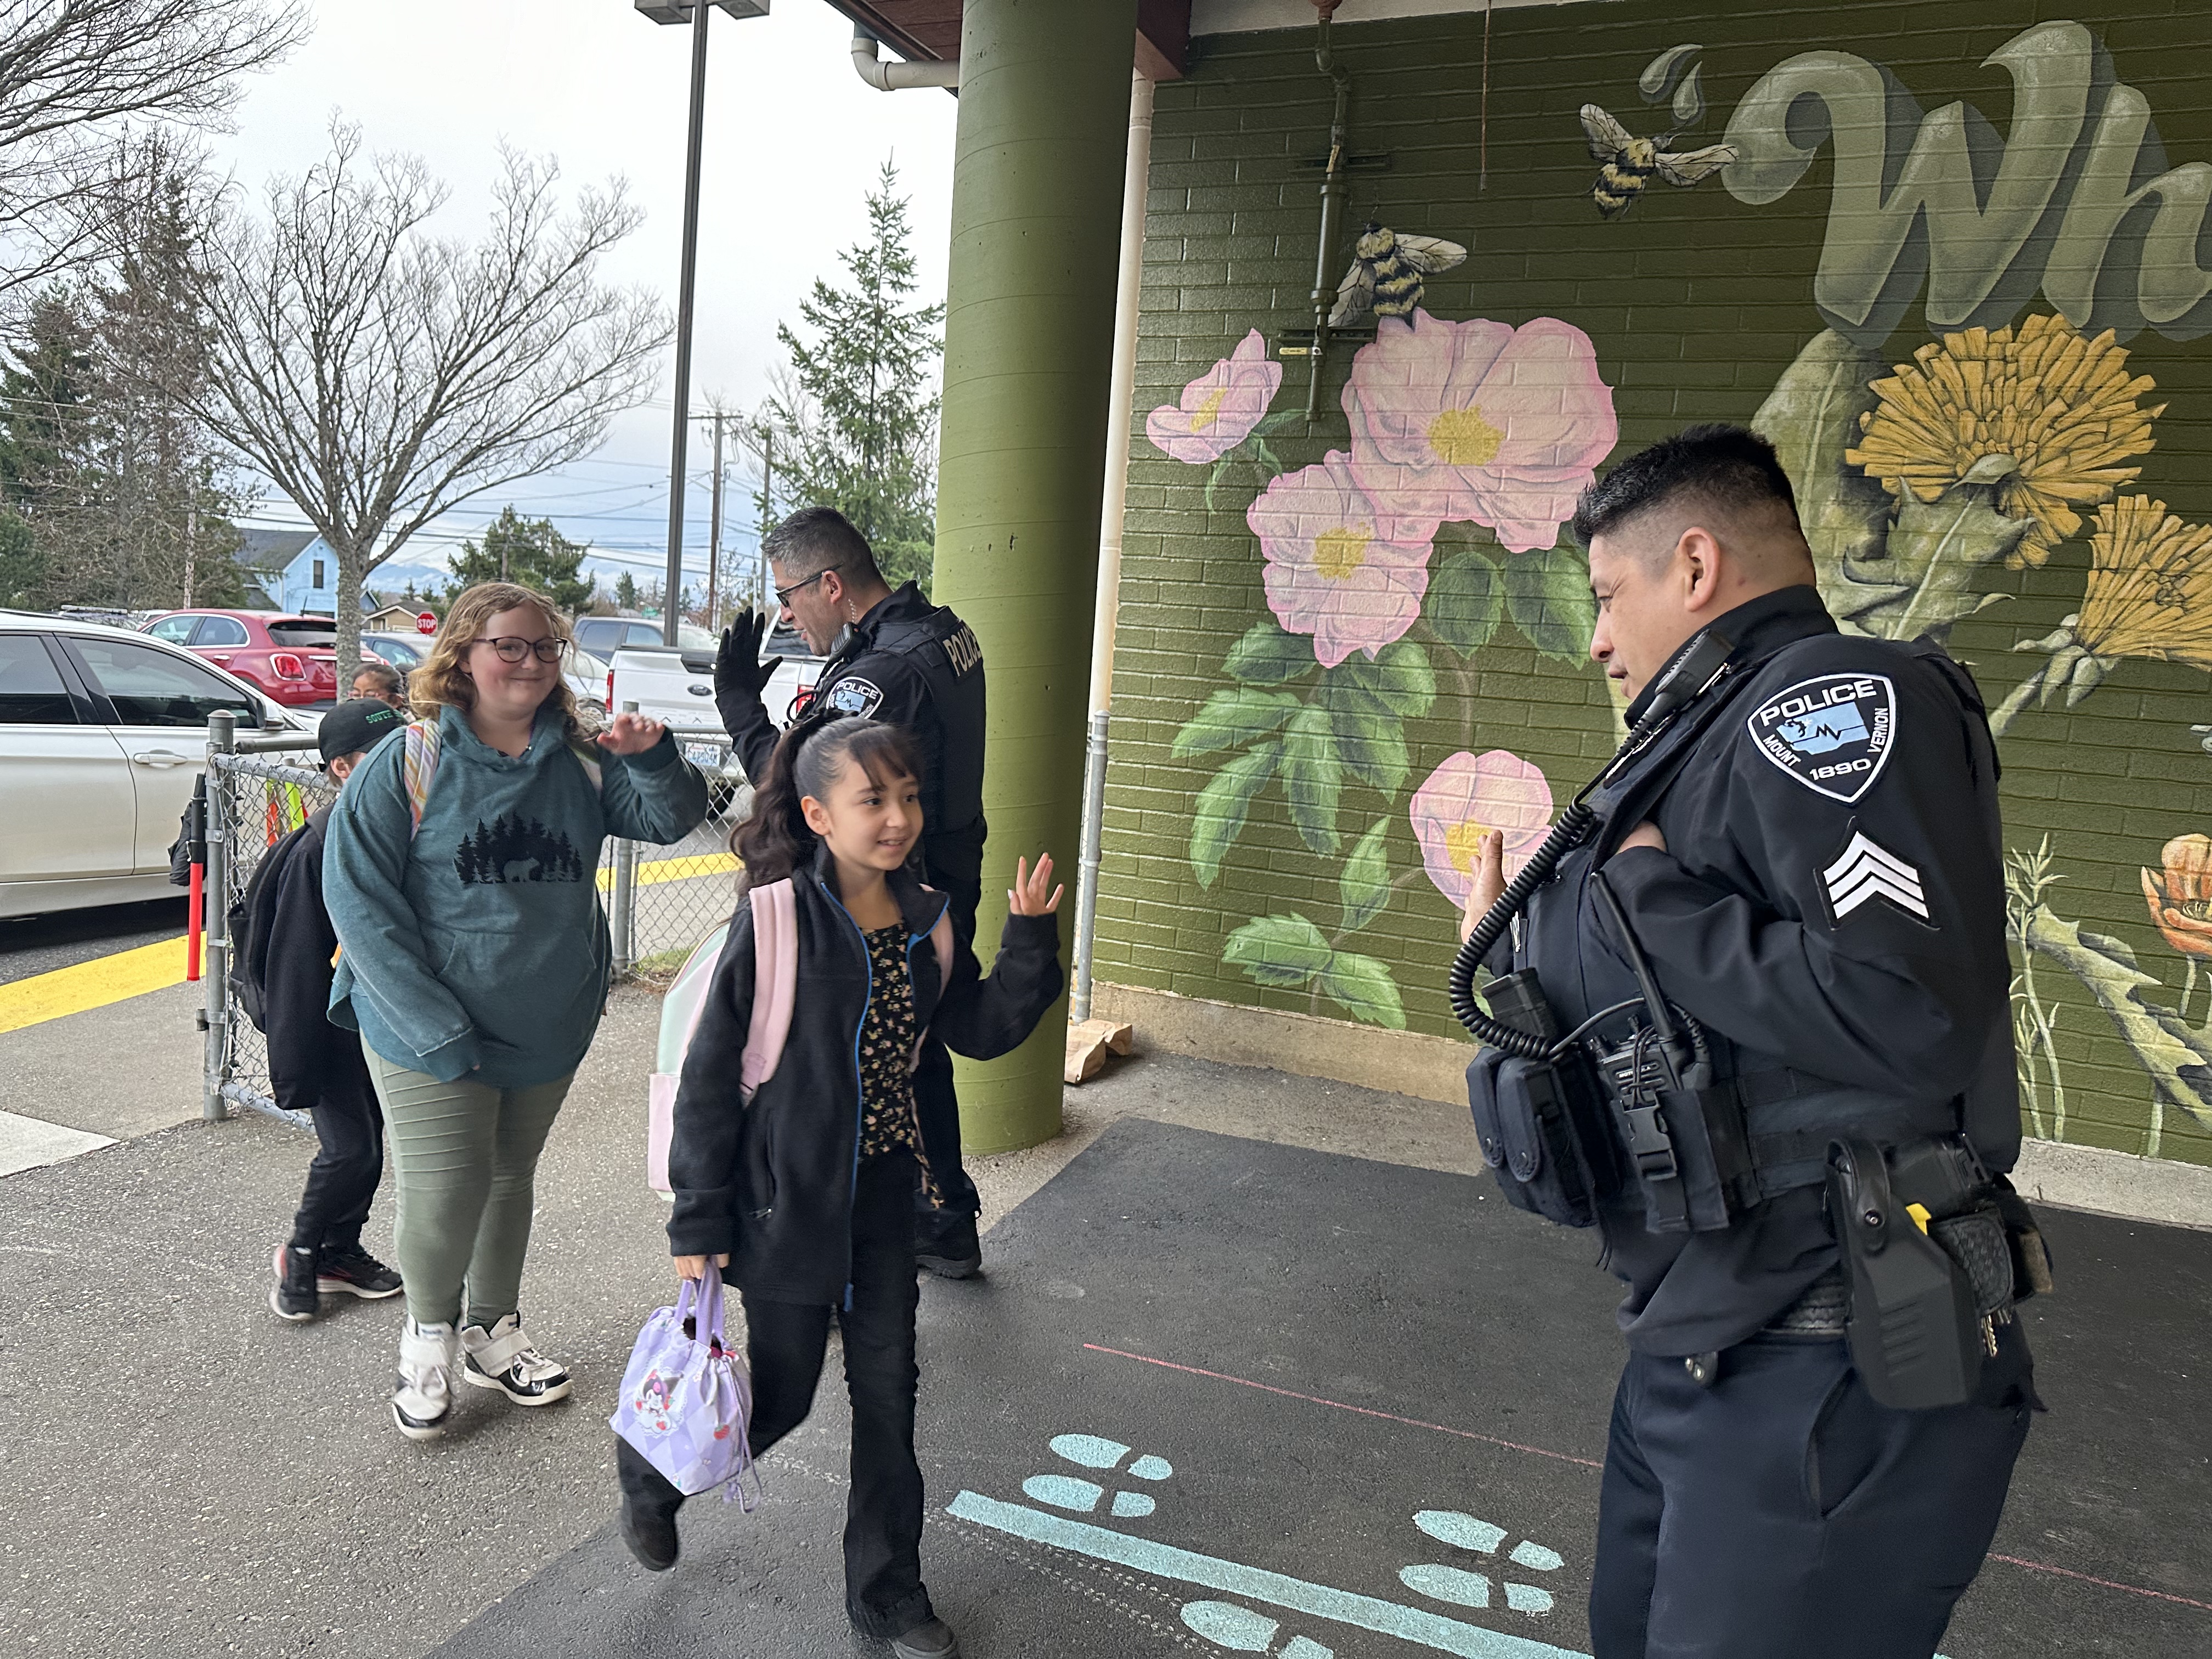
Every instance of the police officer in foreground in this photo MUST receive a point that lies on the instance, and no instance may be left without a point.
(896, 657)
(1792, 1125)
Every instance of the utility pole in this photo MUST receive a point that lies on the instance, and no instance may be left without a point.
(767, 508)
(714, 532)
(672, 604)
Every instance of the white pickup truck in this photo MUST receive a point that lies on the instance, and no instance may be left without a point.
(675, 684)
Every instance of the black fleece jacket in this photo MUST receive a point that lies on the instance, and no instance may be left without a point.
(310, 1059)
(771, 1179)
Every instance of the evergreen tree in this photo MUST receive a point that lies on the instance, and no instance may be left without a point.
(626, 591)
(855, 428)
(42, 398)
(529, 551)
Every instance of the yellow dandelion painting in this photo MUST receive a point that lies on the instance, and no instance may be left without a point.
(2149, 592)
(2061, 408)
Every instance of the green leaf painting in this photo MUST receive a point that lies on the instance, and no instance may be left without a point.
(1466, 602)
(1268, 656)
(1313, 779)
(1284, 951)
(1223, 806)
(1364, 884)
(1363, 988)
(1232, 718)
(1548, 595)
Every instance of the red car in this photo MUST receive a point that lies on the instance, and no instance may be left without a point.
(292, 659)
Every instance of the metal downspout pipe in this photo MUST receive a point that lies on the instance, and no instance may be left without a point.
(1121, 398)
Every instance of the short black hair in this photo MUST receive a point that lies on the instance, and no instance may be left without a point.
(383, 673)
(1731, 467)
(818, 538)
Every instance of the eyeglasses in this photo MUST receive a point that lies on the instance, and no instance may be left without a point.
(514, 650)
(783, 595)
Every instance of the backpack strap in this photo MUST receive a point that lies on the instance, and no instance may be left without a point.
(585, 759)
(417, 767)
(941, 937)
(776, 983)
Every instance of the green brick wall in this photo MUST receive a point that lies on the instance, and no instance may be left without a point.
(1696, 303)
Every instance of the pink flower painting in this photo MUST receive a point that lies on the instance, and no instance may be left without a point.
(1478, 421)
(1220, 407)
(1332, 572)
(1467, 797)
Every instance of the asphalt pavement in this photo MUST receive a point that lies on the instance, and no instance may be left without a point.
(1287, 1313)
(62, 939)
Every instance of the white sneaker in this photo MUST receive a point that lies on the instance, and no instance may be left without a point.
(503, 1357)
(422, 1397)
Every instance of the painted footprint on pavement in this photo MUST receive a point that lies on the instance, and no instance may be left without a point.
(1464, 1589)
(1091, 1451)
(1242, 1630)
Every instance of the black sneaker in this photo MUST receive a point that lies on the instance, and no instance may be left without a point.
(947, 1244)
(650, 1538)
(292, 1296)
(352, 1270)
(932, 1640)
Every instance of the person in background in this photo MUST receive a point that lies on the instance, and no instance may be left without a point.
(476, 962)
(892, 656)
(381, 682)
(315, 1068)
(807, 1187)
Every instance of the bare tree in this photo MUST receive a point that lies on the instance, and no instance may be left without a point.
(84, 85)
(379, 375)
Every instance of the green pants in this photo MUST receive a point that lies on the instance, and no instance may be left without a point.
(465, 1155)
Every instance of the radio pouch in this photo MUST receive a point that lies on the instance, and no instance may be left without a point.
(1527, 1122)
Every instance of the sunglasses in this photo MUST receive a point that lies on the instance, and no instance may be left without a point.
(510, 649)
(783, 595)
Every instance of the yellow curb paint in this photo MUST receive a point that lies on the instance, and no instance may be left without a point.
(684, 869)
(93, 984)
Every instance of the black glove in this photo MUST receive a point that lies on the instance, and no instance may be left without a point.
(739, 670)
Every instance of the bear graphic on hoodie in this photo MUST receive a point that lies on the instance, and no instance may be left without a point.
(516, 849)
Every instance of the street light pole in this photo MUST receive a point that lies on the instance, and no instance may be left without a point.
(715, 531)
(672, 615)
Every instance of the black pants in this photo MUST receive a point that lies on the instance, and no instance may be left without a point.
(349, 1161)
(785, 1345)
(1781, 1511)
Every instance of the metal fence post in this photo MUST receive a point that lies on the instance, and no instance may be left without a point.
(216, 918)
(621, 904)
(1087, 882)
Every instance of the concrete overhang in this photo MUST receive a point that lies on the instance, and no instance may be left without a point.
(929, 31)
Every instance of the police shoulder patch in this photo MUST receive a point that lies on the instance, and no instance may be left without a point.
(854, 695)
(1832, 733)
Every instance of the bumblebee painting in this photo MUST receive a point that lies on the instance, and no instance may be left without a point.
(1386, 273)
(1626, 163)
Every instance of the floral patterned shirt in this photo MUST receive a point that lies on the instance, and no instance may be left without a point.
(887, 1039)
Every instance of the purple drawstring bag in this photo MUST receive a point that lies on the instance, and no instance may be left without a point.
(686, 1400)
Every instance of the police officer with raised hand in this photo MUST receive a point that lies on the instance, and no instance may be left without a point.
(1792, 1124)
(891, 656)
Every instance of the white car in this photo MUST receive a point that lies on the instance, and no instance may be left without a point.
(102, 731)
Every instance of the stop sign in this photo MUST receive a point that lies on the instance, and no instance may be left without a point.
(426, 622)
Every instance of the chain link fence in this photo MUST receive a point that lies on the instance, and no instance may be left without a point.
(660, 900)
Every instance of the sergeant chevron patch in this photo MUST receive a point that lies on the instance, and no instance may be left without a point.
(1867, 871)
(1832, 734)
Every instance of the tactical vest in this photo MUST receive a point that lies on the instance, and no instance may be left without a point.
(1789, 1116)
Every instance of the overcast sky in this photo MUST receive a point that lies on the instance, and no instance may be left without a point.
(793, 138)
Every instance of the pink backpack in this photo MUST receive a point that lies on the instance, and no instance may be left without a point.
(775, 986)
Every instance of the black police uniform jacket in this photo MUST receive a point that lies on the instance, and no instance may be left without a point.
(770, 1180)
(1830, 907)
(917, 665)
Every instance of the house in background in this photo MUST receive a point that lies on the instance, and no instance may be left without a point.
(388, 613)
(308, 585)
(265, 556)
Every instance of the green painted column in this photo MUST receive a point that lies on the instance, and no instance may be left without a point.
(1029, 333)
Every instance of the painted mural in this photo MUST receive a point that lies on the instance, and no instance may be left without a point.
(1967, 421)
